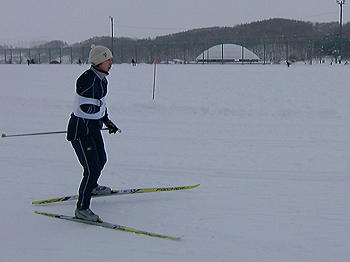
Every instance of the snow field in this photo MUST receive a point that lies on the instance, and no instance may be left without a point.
(269, 145)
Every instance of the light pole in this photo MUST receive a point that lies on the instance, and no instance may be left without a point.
(340, 3)
(112, 30)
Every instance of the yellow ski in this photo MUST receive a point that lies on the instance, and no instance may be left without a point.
(117, 193)
(107, 225)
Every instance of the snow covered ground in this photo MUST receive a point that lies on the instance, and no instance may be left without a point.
(269, 145)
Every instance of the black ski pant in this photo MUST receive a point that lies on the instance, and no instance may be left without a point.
(92, 156)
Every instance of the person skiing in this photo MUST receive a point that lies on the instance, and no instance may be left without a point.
(84, 128)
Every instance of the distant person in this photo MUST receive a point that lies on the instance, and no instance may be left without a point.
(133, 61)
(84, 128)
(28, 62)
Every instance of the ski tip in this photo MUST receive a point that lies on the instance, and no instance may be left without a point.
(45, 214)
(176, 238)
(42, 202)
(192, 187)
(50, 201)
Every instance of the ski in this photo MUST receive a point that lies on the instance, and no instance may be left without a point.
(107, 225)
(116, 193)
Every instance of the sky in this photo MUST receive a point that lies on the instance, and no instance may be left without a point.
(71, 21)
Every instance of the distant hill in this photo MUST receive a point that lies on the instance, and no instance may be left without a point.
(266, 30)
(273, 40)
(189, 44)
(271, 29)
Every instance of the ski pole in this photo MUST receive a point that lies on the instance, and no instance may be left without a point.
(45, 133)
(34, 134)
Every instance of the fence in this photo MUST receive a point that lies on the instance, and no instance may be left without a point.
(268, 51)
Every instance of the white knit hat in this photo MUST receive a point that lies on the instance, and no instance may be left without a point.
(99, 54)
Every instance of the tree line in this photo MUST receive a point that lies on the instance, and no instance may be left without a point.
(273, 38)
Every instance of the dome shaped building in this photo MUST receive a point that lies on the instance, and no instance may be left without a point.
(227, 53)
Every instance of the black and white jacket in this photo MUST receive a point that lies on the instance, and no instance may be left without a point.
(90, 111)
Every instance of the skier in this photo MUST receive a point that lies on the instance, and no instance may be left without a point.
(133, 62)
(84, 128)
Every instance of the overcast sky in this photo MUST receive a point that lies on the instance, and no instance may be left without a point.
(77, 20)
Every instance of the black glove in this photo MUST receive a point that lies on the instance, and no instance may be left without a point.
(112, 128)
